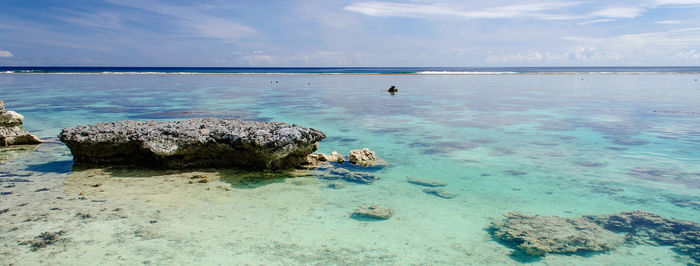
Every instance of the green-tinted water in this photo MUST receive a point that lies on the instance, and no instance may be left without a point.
(564, 145)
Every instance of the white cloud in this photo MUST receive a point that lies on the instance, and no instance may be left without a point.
(596, 21)
(619, 12)
(259, 60)
(665, 47)
(544, 10)
(387, 9)
(688, 55)
(6, 54)
(677, 2)
(577, 55)
(221, 28)
(195, 19)
(669, 22)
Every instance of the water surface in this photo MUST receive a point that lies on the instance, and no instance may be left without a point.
(566, 145)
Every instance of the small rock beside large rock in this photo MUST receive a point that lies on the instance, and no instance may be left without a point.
(199, 142)
(11, 129)
(364, 157)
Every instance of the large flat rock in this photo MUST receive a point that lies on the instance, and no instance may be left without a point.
(200, 142)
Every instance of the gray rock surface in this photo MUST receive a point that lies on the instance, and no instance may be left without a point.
(539, 235)
(11, 129)
(199, 142)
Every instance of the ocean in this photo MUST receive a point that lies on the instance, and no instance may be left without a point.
(349, 70)
(564, 142)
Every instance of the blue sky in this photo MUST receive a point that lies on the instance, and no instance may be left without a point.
(349, 33)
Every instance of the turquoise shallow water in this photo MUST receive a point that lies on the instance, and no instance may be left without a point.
(566, 145)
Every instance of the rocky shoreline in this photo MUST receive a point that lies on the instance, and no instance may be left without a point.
(11, 130)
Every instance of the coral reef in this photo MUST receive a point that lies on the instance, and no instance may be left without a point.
(539, 235)
(645, 227)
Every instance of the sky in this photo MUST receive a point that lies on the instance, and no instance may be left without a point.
(349, 33)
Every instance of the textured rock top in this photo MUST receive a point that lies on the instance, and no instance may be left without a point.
(199, 130)
(190, 141)
(11, 118)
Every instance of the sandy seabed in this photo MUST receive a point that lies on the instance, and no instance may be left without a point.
(209, 216)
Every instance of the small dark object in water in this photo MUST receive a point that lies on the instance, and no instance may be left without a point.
(83, 215)
(41, 190)
(4, 211)
(6, 193)
(393, 90)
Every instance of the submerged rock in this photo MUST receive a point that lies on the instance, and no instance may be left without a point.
(440, 193)
(9, 153)
(539, 235)
(426, 182)
(11, 129)
(199, 142)
(645, 227)
(374, 212)
(347, 175)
